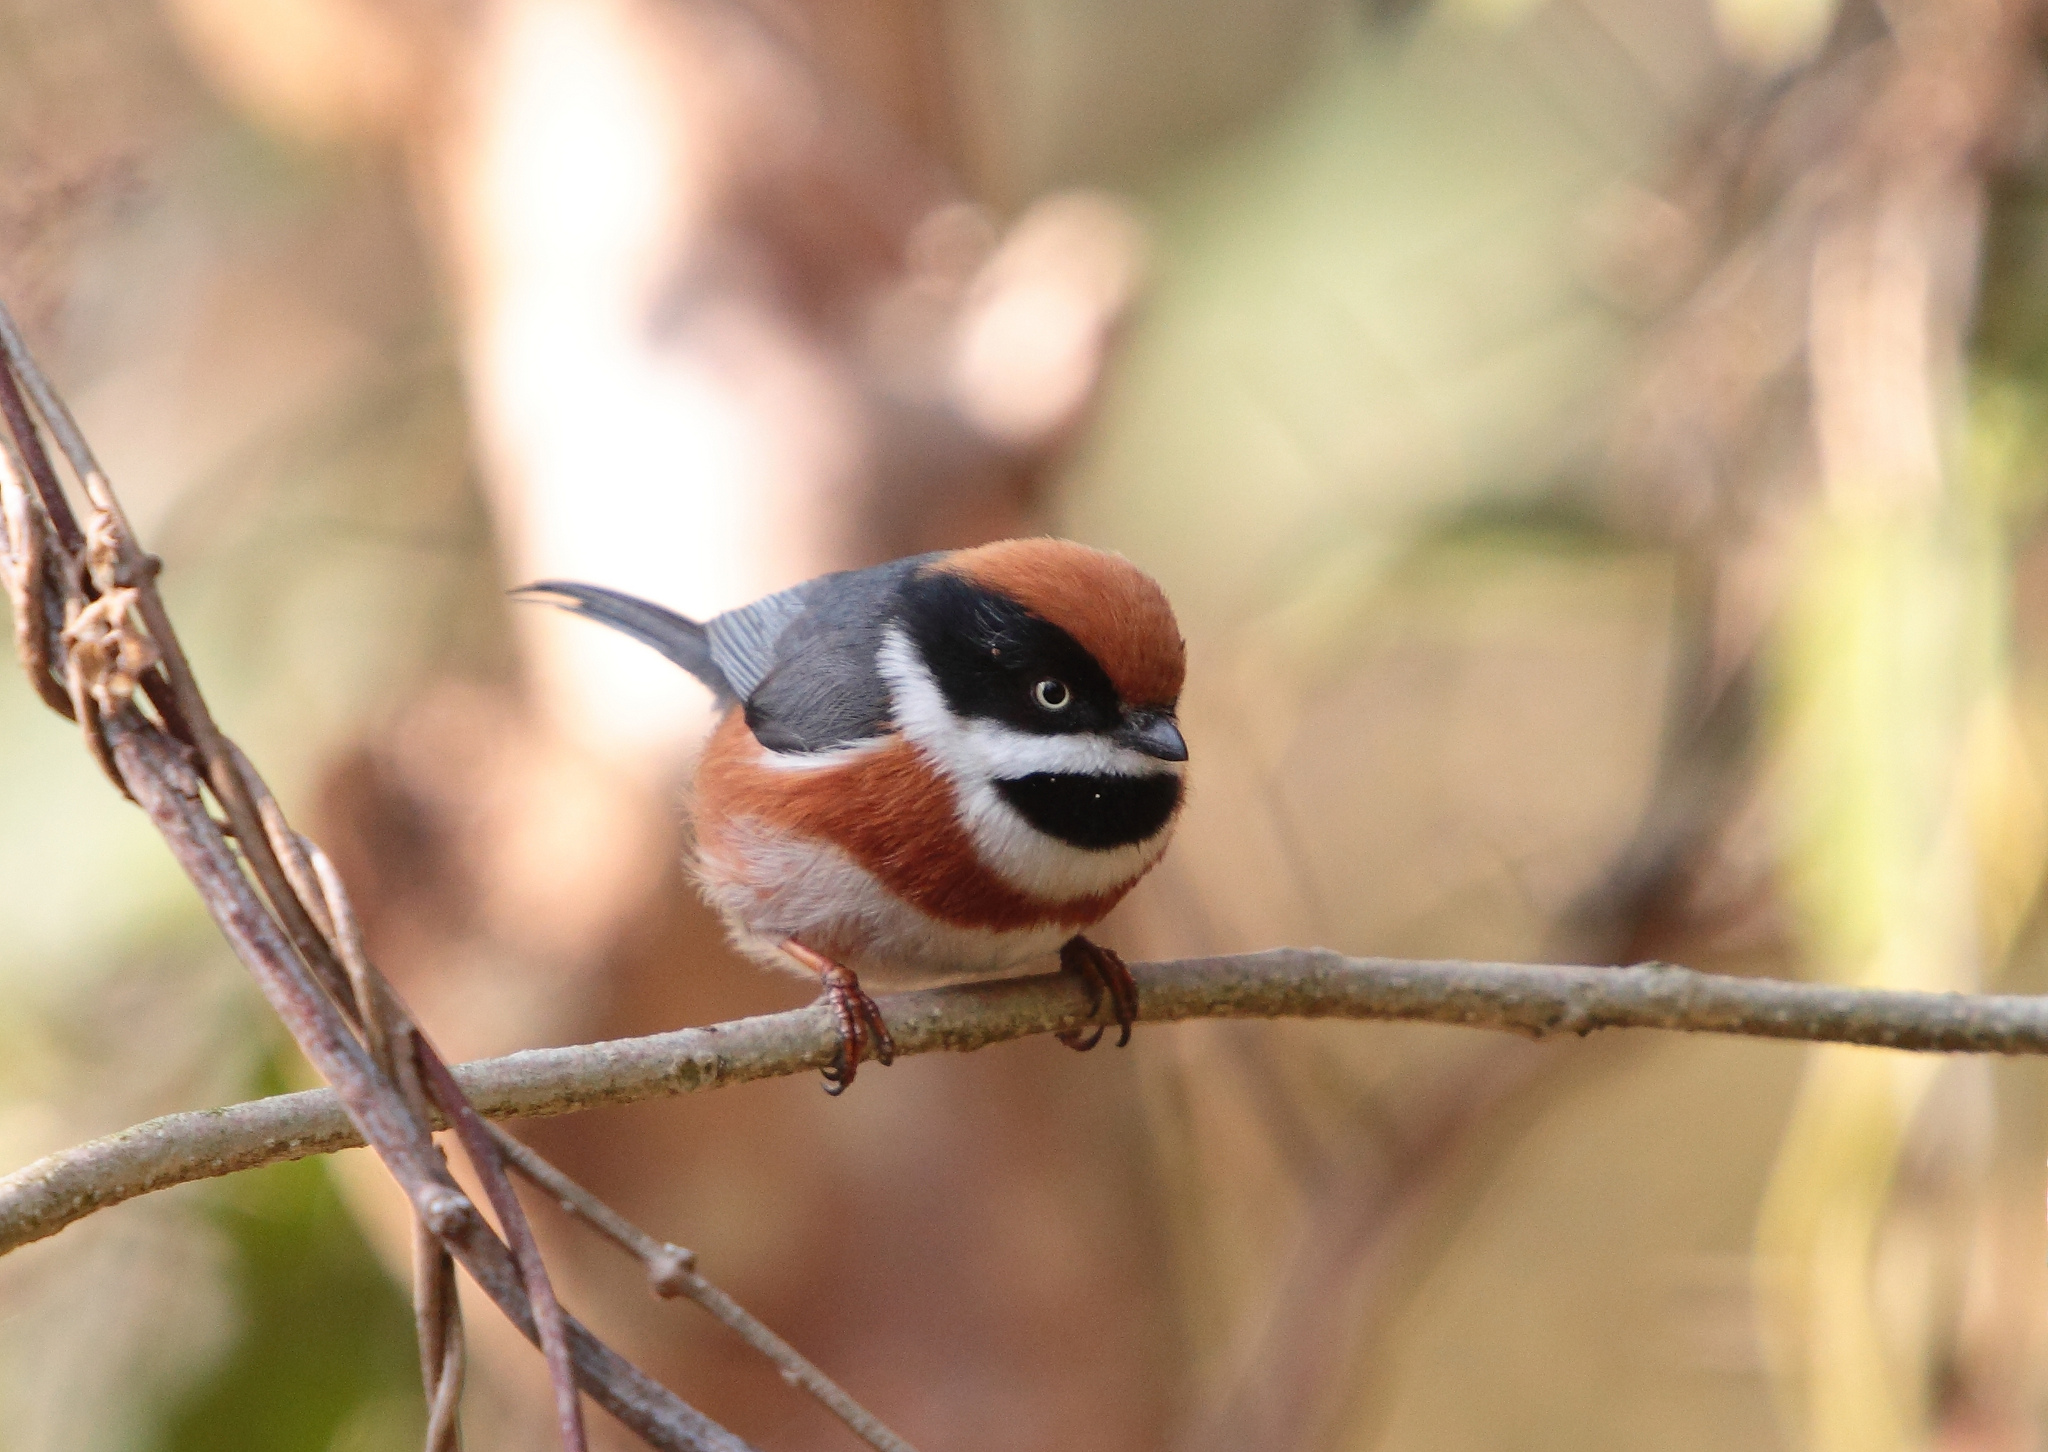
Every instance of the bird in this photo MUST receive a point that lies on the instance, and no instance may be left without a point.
(938, 769)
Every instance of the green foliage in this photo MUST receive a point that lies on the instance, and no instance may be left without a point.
(325, 1356)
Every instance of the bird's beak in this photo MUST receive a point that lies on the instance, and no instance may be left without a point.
(1154, 733)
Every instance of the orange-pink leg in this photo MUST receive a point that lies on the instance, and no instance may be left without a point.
(860, 1023)
(1104, 972)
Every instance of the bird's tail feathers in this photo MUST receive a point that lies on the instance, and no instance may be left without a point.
(678, 637)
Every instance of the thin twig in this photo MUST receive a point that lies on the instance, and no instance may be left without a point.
(437, 1324)
(1534, 1000)
(384, 1024)
(293, 945)
(29, 587)
(672, 1271)
(23, 430)
(488, 1161)
(69, 540)
(167, 791)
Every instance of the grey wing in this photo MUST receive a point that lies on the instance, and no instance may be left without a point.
(823, 687)
(743, 641)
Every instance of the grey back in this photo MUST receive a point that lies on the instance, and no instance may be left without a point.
(807, 656)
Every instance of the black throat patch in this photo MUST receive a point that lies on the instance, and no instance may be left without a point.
(1093, 812)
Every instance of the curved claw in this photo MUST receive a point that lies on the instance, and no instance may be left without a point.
(1079, 1041)
(1103, 972)
(861, 1025)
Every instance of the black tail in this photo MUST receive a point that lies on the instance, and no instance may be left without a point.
(678, 637)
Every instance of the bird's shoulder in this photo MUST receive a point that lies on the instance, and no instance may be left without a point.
(802, 661)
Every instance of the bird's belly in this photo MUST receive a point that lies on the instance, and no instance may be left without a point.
(771, 886)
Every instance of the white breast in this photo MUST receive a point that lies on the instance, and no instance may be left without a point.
(771, 886)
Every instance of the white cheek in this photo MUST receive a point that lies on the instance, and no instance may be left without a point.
(974, 755)
(1000, 751)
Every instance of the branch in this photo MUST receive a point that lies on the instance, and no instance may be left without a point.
(672, 1271)
(50, 1194)
(296, 938)
(508, 1274)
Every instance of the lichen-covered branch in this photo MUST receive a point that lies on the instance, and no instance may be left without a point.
(44, 1197)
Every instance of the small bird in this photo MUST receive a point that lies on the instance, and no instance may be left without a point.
(939, 768)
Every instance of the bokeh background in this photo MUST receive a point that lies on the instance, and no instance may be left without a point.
(1598, 450)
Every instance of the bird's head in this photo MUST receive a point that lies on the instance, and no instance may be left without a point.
(1051, 672)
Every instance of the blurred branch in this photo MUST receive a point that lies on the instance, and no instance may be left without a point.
(1371, 1196)
(1537, 1001)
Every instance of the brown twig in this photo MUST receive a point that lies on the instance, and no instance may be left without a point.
(30, 590)
(489, 1163)
(120, 565)
(168, 791)
(672, 1271)
(437, 1312)
(300, 946)
(22, 429)
(1536, 1001)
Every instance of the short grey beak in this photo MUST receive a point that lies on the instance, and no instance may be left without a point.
(1153, 733)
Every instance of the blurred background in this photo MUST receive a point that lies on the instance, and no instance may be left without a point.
(1598, 450)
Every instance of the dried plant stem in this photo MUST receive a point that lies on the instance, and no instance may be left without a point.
(297, 937)
(672, 1271)
(164, 787)
(1536, 1001)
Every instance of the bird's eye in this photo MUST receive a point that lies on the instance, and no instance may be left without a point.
(1052, 695)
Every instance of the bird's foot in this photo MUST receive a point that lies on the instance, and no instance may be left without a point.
(1104, 972)
(861, 1026)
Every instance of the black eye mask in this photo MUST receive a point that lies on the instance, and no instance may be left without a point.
(988, 655)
